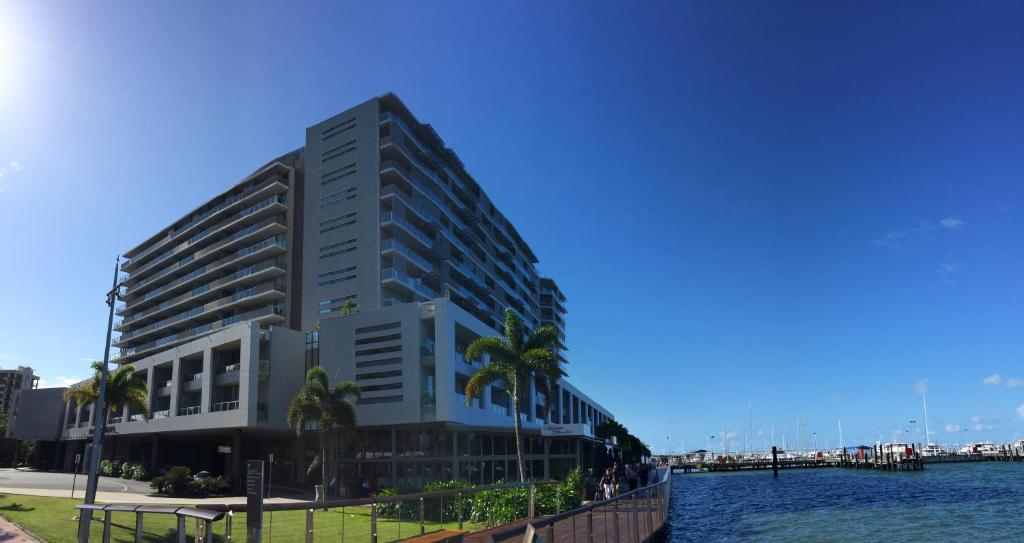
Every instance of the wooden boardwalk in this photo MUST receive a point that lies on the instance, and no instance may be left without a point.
(628, 521)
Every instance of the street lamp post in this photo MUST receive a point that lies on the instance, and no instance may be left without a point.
(99, 418)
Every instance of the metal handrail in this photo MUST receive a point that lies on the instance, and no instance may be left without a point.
(204, 518)
(662, 489)
(353, 502)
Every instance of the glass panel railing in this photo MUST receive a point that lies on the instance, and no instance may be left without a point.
(407, 252)
(391, 216)
(190, 410)
(410, 282)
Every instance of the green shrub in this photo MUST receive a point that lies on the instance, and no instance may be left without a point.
(500, 506)
(110, 468)
(133, 470)
(210, 486)
(178, 481)
(159, 484)
(404, 509)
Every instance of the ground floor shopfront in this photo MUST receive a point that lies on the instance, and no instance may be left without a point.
(219, 452)
(414, 455)
(384, 456)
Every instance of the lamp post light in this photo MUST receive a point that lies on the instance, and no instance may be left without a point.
(99, 417)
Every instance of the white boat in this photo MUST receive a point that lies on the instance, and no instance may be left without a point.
(933, 450)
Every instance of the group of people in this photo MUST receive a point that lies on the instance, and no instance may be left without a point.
(620, 478)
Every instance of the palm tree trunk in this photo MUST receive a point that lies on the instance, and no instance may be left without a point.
(518, 425)
(323, 466)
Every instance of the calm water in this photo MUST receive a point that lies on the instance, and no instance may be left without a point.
(948, 502)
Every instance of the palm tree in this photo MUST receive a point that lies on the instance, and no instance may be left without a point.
(318, 406)
(513, 360)
(122, 390)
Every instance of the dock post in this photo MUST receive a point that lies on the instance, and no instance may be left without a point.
(775, 462)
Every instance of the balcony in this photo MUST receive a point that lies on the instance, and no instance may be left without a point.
(161, 414)
(270, 227)
(190, 410)
(273, 205)
(267, 314)
(225, 406)
(393, 245)
(116, 420)
(412, 283)
(138, 417)
(271, 185)
(389, 217)
(265, 291)
(264, 269)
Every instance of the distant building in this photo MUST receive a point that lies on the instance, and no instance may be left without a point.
(38, 415)
(11, 381)
(227, 307)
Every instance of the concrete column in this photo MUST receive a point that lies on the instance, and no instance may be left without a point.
(78, 414)
(236, 459)
(154, 455)
(249, 375)
(207, 391)
(150, 390)
(547, 458)
(175, 385)
(444, 372)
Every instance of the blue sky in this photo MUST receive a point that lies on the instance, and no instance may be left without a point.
(807, 207)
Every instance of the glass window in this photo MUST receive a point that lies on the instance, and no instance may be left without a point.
(499, 445)
(487, 449)
(463, 438)
(488, 473)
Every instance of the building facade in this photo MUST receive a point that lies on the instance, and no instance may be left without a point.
(12, 382)
(226, 308)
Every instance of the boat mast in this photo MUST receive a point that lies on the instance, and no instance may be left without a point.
(926, 436)
(841, 434)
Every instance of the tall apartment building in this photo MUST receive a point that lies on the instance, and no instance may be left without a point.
(13, 381)
(228, 306)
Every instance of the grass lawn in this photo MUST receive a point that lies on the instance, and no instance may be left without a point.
(52, 519)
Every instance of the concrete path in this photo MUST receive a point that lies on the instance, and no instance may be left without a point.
(110, 490)
(9, 533)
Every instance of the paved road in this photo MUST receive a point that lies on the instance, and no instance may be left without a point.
(11, 478)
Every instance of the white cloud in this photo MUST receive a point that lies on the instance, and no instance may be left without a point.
(59, 381)
(1014, 382)
(951, 222)
(950, 428)
(982, 423)
(921, 387)
(15, 165)
(992, 380)
(1020, 410)
(946, 269)
(895, 238)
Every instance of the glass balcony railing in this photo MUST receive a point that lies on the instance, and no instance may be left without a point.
(407, 252)
(391, 216)
(161, 414)
(231, 367)
(410, 282)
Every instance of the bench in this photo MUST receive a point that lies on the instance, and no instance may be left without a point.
(440, 536)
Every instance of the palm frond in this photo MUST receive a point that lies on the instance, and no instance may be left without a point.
(513, 330)
(480, 380)
(498, 349)
(546, 337)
